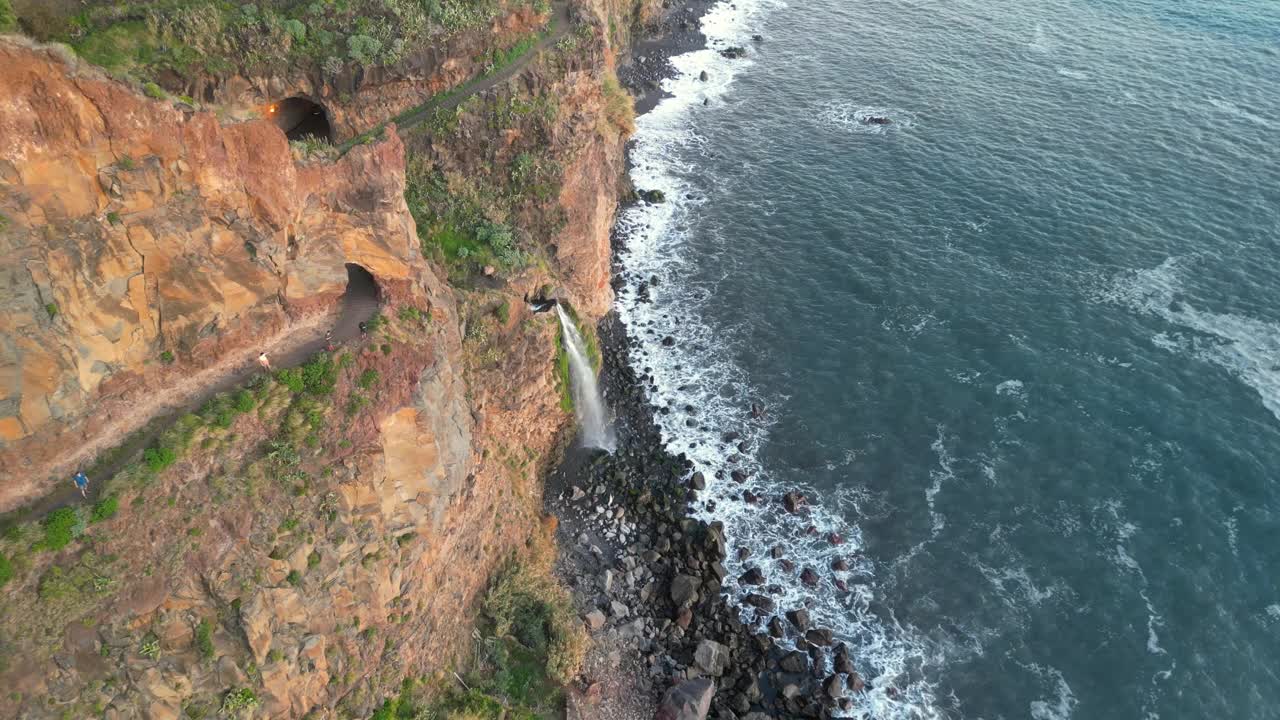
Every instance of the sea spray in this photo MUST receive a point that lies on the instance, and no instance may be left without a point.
(588, 403)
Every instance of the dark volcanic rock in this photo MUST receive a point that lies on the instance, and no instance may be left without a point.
(809, 577)
(794, 662)
(754, 576)
(799, 618)
(793, 501)
(687, 701)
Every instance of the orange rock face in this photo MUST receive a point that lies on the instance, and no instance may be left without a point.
(134, 228)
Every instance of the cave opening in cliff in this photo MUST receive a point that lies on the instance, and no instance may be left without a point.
(301, 118)
(361, 284)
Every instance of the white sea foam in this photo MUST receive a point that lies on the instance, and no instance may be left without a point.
(852, 117)
(1236, 111)
(697, 374)
(1063, 703)
(1073, 74)
(1040, 41)
(1246, 347)
(1012, 388)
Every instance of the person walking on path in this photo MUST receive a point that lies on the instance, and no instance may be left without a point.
(82, 483)
(264, 362)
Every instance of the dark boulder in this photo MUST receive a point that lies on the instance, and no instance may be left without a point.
(793, 501)
(799, 618)
(754, 576)
(809, 577)
(794, 662)
(687, 701)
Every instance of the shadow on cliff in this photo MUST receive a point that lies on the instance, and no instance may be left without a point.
(360, 302)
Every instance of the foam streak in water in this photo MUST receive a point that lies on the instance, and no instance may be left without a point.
(588, 403)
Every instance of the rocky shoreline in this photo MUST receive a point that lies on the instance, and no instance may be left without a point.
(645, 576)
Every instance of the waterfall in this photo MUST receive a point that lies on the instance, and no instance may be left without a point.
(588, 403)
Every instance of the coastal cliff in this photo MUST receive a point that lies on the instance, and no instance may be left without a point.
(304, 541)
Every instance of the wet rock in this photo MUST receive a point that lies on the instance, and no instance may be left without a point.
(703, 76)
(833, 687)
(835, 538)
(754, 576)
(793, 501)
(775, 552)
(820, 637)
(794, 662)
(809, 577)
(668, 341)
(698, 481)
(759, 601)
(733, 53)
(653, 197)
(776, 630)
(799, 618)
(738, 476)
(840, 565)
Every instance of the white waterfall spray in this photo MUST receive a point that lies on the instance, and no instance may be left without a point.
(588, 403)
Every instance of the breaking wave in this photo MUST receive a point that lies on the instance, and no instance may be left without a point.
(702, 395)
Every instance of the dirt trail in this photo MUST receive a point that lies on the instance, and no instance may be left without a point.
(289, 348)
(558, 27)
(146, 419)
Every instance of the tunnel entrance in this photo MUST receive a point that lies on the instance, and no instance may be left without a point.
(300, 119)
(360, 283)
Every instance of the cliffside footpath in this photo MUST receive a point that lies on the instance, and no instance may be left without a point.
(322, 539)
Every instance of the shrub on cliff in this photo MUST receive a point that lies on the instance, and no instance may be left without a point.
(6, 570)
(61, 527)
(105, 509)
(159, 458)
(363, 49)
(527, 604)
(8, 21)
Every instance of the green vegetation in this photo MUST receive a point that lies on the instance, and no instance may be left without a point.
(159, 458)
(104, 509)
(8, 21)
(61, 527)
(408, 313)
(528, 606)
(113, 217)
(147, 38)
(317, 377)
(125, 163)
(368, 378)
(620, 107)
(294, 578)
(204, 639)
(562, 374)
(455, 228)
(6, 566)
(562, 358)
(167, 357)
(154, 91)
(52, 309)
(238, 700)
(150, 648)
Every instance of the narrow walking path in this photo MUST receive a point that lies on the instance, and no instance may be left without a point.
(144, 422)
(556, 29)
(147, 419)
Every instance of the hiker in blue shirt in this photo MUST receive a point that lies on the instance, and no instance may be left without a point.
(82, 482)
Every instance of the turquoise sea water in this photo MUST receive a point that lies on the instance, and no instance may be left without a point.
(1022, 344)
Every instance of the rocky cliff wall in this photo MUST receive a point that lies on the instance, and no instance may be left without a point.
(133, 229)
(314, 548)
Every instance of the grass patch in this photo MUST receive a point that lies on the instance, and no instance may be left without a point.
(204, 639)
(619, 106)
(105, 509)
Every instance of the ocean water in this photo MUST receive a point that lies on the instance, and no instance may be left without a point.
(1021, 346)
